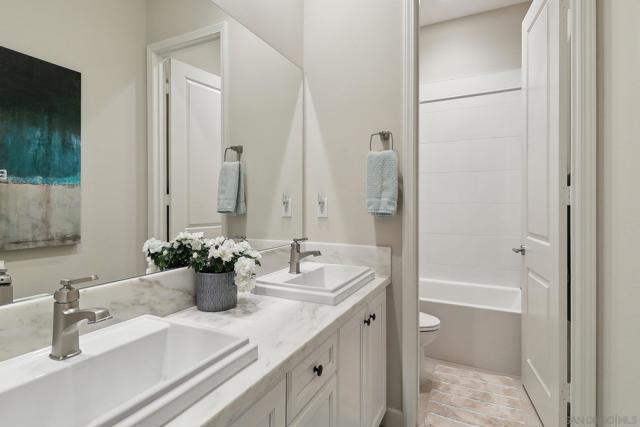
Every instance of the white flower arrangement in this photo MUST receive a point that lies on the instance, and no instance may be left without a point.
(219, 255)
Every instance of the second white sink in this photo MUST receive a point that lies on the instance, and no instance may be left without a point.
(317, 282)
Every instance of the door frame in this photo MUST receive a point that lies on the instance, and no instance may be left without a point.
(583, 241)
(583, 213)
(157, 199)
(410, 231)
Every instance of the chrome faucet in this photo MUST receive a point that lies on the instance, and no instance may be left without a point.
(67, 316)
(297, 256)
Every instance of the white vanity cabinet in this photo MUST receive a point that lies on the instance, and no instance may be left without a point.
(362, 379)
(269, 411)
(340, 383)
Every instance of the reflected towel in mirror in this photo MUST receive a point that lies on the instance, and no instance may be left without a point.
(231, 198)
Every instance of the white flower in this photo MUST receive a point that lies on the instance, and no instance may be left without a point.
(151, 266)
(245, 266)
(186, 236)
(153, 246)
(245, 269)
(193, 240)
(224, 251)
(227, 250)
(242, 247)
(254, 254)
(244, 284)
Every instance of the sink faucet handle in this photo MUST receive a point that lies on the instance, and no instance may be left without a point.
(70, 282)
(301, 239)
(67, 293)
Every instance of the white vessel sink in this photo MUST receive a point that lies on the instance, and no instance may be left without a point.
(317, 282)
(140, 372)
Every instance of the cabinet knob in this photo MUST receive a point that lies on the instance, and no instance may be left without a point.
(318, 370)
(372, 317)
(367, 321)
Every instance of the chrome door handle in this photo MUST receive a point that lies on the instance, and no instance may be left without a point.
(521, 250)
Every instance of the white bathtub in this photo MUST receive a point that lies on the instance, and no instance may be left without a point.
(479, 324)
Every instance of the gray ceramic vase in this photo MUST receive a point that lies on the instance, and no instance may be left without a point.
(216, 291)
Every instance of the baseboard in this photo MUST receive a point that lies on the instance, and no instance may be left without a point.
(393, 418)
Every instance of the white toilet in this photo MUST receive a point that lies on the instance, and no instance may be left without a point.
(429, 327)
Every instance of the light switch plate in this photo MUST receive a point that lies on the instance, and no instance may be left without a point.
(287, 207)
(322, 207)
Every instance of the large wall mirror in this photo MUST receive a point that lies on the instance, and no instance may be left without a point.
(122, 120)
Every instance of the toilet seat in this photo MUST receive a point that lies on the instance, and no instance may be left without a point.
(428, 323)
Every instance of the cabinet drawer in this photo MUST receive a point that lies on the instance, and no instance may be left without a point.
(304, 381)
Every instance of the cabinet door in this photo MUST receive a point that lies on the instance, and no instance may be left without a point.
(269, 411)
(350, 371)
(321, 410)
(375, 366)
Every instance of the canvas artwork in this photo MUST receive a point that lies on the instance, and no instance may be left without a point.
(39, 153)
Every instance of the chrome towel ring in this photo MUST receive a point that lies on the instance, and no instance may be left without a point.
(384, 135)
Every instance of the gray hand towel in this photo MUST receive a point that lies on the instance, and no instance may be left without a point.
(229, 187)
(382, 183)
(241, 204)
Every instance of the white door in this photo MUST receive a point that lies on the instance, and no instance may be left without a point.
(195, 150)
(545, 89)
(375, 367)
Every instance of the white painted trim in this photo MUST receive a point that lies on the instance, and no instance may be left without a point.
(410, 301)
(583, 221)
(470, 86)
(156, 149)
(393, 418)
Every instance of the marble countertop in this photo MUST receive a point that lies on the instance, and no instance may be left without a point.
(284, 330)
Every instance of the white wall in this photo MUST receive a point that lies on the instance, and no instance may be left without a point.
(353, 87)
(278, 22)
(206, 56)
(479, 44)
(105, 42)
(618, 210)
(170, 18)
(470, 148)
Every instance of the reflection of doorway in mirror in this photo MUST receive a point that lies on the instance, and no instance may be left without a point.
(194, 148)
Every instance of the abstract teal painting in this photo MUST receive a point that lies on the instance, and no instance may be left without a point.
(39, 152)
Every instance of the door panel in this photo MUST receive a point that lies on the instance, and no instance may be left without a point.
(321, 410)
(195, 150)
(545, 93)
(350, 364)
(269, 411)
(375, 379)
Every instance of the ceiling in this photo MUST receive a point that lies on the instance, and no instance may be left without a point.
(432, 11)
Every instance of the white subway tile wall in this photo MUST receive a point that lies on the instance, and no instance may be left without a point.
(471, 188)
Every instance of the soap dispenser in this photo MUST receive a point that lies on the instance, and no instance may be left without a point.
(6, 288)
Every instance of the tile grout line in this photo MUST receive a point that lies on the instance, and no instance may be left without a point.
(484, 402)
(451, 419)
(481, 414)
(483, 391)
(477, 378)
